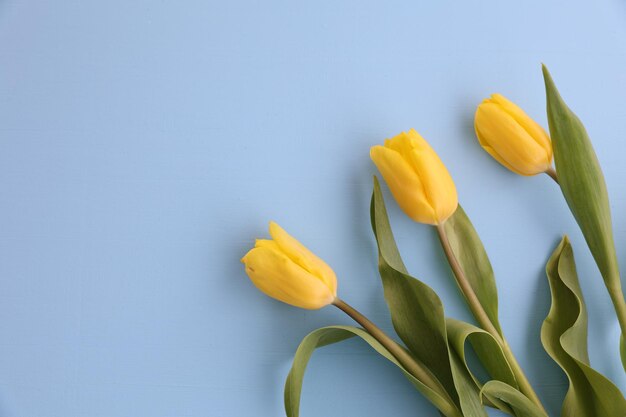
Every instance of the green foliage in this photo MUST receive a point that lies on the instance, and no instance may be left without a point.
(418, 318)
(333, 334)
(439, 343)
(564, 336)
(416, 310)
(487, 350)
(521, 405)
(584, 189)
(581, 180)
(470, 252)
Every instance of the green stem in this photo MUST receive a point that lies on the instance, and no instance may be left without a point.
(551, 172)
(483, 319)
(411, 364)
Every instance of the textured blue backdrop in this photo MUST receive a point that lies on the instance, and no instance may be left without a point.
(145, 144)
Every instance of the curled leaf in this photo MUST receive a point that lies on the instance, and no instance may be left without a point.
(469, 393)
(564, 337)
(487, 350)
(521, 405)
(333, 334)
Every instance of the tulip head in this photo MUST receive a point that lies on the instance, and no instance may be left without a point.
(511, 137)
(417, 178)
(284, 269)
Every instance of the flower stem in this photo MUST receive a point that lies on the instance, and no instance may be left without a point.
(411, 364)
(552, 173)
(483, 319)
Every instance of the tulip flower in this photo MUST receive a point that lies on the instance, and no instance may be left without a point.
(418, 180)
(284, 269)
(512, 137)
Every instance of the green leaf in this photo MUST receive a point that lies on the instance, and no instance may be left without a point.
(521, 405)
(416, 310)
(488, 352)
(469, 393)
(417, 314)
(564, 337)
(486, 348)
(472, 257)
(582, 183)
(325, 336)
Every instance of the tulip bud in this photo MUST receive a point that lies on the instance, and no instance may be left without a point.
(511, 137)
(418, 180)
(287, 271)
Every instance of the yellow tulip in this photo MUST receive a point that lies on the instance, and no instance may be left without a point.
(418, 180)
(286, 270)
(511, 137)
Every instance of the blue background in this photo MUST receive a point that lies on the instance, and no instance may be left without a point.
(145, 144)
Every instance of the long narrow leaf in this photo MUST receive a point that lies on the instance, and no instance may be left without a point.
(325, 336)
(469, 393)
(416, 310)
(581, 180)
(418, 316)
(471, 254)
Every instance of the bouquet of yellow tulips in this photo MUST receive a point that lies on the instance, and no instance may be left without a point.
(431, 352)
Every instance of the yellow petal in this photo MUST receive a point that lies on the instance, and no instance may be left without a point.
(535, 131)
(279, 277)
(404, 142)
(508, 142)
(266, 243)
(438, 184)
(302, 256)
(403, 181)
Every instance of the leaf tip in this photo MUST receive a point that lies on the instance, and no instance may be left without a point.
(547, 78)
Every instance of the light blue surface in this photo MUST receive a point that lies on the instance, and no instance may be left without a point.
(145, 144)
